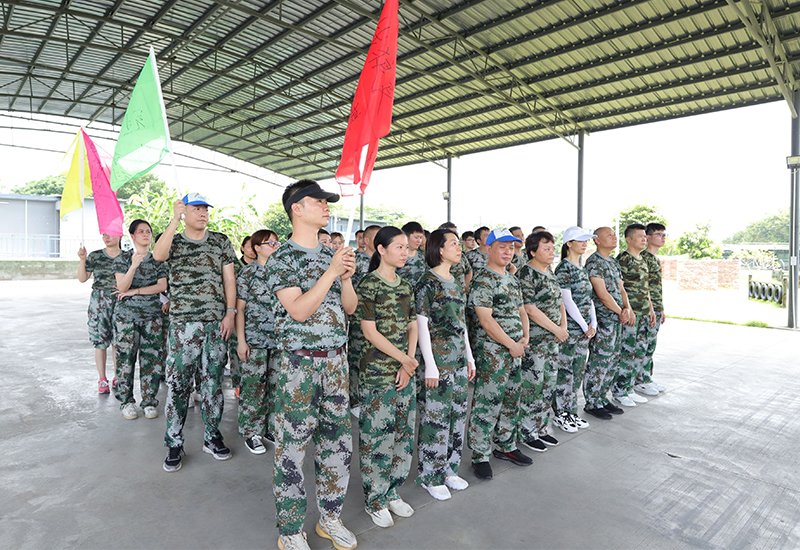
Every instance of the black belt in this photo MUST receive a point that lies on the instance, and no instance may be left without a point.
(310, 353)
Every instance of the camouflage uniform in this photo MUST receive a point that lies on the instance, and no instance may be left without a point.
(571, 360)
(139, 330)
(443, 413)
(355, 336)
(541, 289)
(251, 288)
(495, 400)
(634, 338)
(519, 260)
(197, 308)
(601, 368)
(657, 298)
(102, 302)
(311, 397)
(477, 259)
(461, 270)
(414, 269)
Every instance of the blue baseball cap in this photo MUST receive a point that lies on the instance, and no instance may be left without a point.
(196, 198)
(501, 234)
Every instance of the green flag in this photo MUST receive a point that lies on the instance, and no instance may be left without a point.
(144, 137)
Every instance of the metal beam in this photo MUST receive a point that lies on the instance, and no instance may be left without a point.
(449, 187)
(794, 218)
(580, 179)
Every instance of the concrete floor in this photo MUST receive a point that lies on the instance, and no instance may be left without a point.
(712, 463)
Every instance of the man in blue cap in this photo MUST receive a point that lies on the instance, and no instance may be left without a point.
(202, 311)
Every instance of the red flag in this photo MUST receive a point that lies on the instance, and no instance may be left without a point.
(109, 212)
(371, 114)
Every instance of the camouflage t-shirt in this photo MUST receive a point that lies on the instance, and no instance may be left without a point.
(461, 270)
(415, 268)
(654, 280)
(295, 266)
(519, 260)
(608, 270)
(362, 266)
(135, 309)
(196, 290)
(101, 266)
(259, 324)
(635, 275)
(541, 289)
(443, 302)
(575, 279)
(503, 295)
(391, 307)
(477, 259)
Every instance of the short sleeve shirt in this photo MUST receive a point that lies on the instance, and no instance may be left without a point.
(503, 295)
(461, 270)
(541, 289)
(414, 269)
(362, 266)
(575, 279)
(654, 280)
(295, 266)
(519, 260)
(101, 266)
(391, 307)
(607, 269)
(259, 320)
(477, 259)
(135, 309)
(635, 275)
(443, 302)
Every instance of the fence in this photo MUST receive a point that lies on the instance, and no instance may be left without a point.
(17, 245)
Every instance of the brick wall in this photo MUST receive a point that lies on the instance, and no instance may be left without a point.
(701, 274)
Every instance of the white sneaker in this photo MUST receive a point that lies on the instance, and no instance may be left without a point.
(335, 531)
(129, 411)
(150, 412)
(196, 396)
(625, 401)
(455, 482)
(646, 389)
(658, 386)
(565, 422)
(381, 518)
(401, 508)
(355, 411)
(637, 398)
(293, 542)
(439, 492)
(579, 422)
(254, 445)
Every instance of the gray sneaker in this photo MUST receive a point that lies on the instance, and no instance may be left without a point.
(341, 536)
(293, 542)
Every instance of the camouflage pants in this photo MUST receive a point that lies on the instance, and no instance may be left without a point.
(536, 395)
(386, 431)
(631, 356)
(354, 347)
(273, 367)
(601, 368)
(443, 417)
(311, 404)
(194, 347)
(144, 339)
(570, 364)
(495, 401)
(233, 361)
(645, 375)
(253, 393)
(101, 318)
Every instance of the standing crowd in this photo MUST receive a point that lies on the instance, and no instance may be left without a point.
(316, 332)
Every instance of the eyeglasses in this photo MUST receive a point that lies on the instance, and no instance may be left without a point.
(663, 235)
(273, 244)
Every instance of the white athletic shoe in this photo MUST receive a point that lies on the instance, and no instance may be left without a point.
(381, 518)
(455, 482)
(625, 400)
(293, 542)
(637, 398)
(401, 508)
(439, 492)
(129, 411)
(150, 412)
(646, 389)
(658, 386)
(356, 411)
(335, 531)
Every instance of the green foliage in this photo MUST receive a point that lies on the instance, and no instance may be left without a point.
(235, 223)
(275, 219)
(772, 229)
(54, 185)
(760, 324)
(758, 259)
(51, 185)
(382, 213)
(639, 213)
(698, 244)
(149, 181)
(155, 208)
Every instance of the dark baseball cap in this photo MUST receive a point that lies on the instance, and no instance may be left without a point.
(314, 191)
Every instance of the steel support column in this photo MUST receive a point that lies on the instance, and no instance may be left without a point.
(449, 185)
(580, 179)
(794, 212)
(361, 214)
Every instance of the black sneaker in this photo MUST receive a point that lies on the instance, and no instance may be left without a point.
(535, 445)
(217, 448)
(514, 456)
(482, 469)
(173, 461)
(548, 440)
(269, 436)
(599, 412)
(613, 409)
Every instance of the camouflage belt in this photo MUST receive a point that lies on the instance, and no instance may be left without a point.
(309, 353)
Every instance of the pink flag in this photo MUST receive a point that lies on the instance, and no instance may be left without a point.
(109, 212)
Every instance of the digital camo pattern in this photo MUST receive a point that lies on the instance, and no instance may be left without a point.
(607, 269)
(194, 347)
(414, 269)
(144, 339)
(101, 318)
(444, 304)
(311, 404)
(461, 270)
(259, 317)
(651, 339)
(541, 289)
(632, 356)
(391, 307)
(500, 293)
(294, 266)
(477, 259)
(386, 441)
(354, 347)
(273, 368)
(233, 360)
(443, 418)
(139, 308)
(195, 277)
(635, 275)
(654, 280)
(362, 266)
(253, 393)
(101, 266)
(519, 260)
(238, 265)
(570, 365)
(575, 279)
(536, 396)
(495, 402)
(601, 368)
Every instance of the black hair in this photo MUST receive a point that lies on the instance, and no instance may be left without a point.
(448, 225)
(538, 228)
(433, 251)
(136, 223)
(653, 227)
(515, 228)
(384, 238)
(634, 227)
(466, 235)
(289, 236)
(359, 231)
(291, 190)
(479, 234)
(244, 241)
(532, 241)
(564, 251)
(412, 227)
(323, 232)
(260, 237)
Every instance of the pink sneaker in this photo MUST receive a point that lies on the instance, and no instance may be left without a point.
(102, 386)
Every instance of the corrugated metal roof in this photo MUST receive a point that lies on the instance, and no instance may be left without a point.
(271, 82)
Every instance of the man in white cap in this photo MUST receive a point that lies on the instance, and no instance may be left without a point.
(202, 311)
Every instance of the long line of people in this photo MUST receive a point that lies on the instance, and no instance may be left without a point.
(318, 333)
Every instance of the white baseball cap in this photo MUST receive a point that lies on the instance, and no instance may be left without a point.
(576, 233)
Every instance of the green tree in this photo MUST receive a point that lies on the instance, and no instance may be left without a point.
(54, 185)
(275, 219)
(639, 213)
(698, 244)
(771, 229)
(51, 185)
(380, 212)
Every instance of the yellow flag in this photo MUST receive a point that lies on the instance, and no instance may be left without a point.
(71, 195)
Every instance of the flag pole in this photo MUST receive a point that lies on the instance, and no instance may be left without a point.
(166, 125)
(350, 221)
(81, 168)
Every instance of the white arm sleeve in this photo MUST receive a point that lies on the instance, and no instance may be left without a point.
(470, 359)
(425, 347)
(572, 309)
(593, 316)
